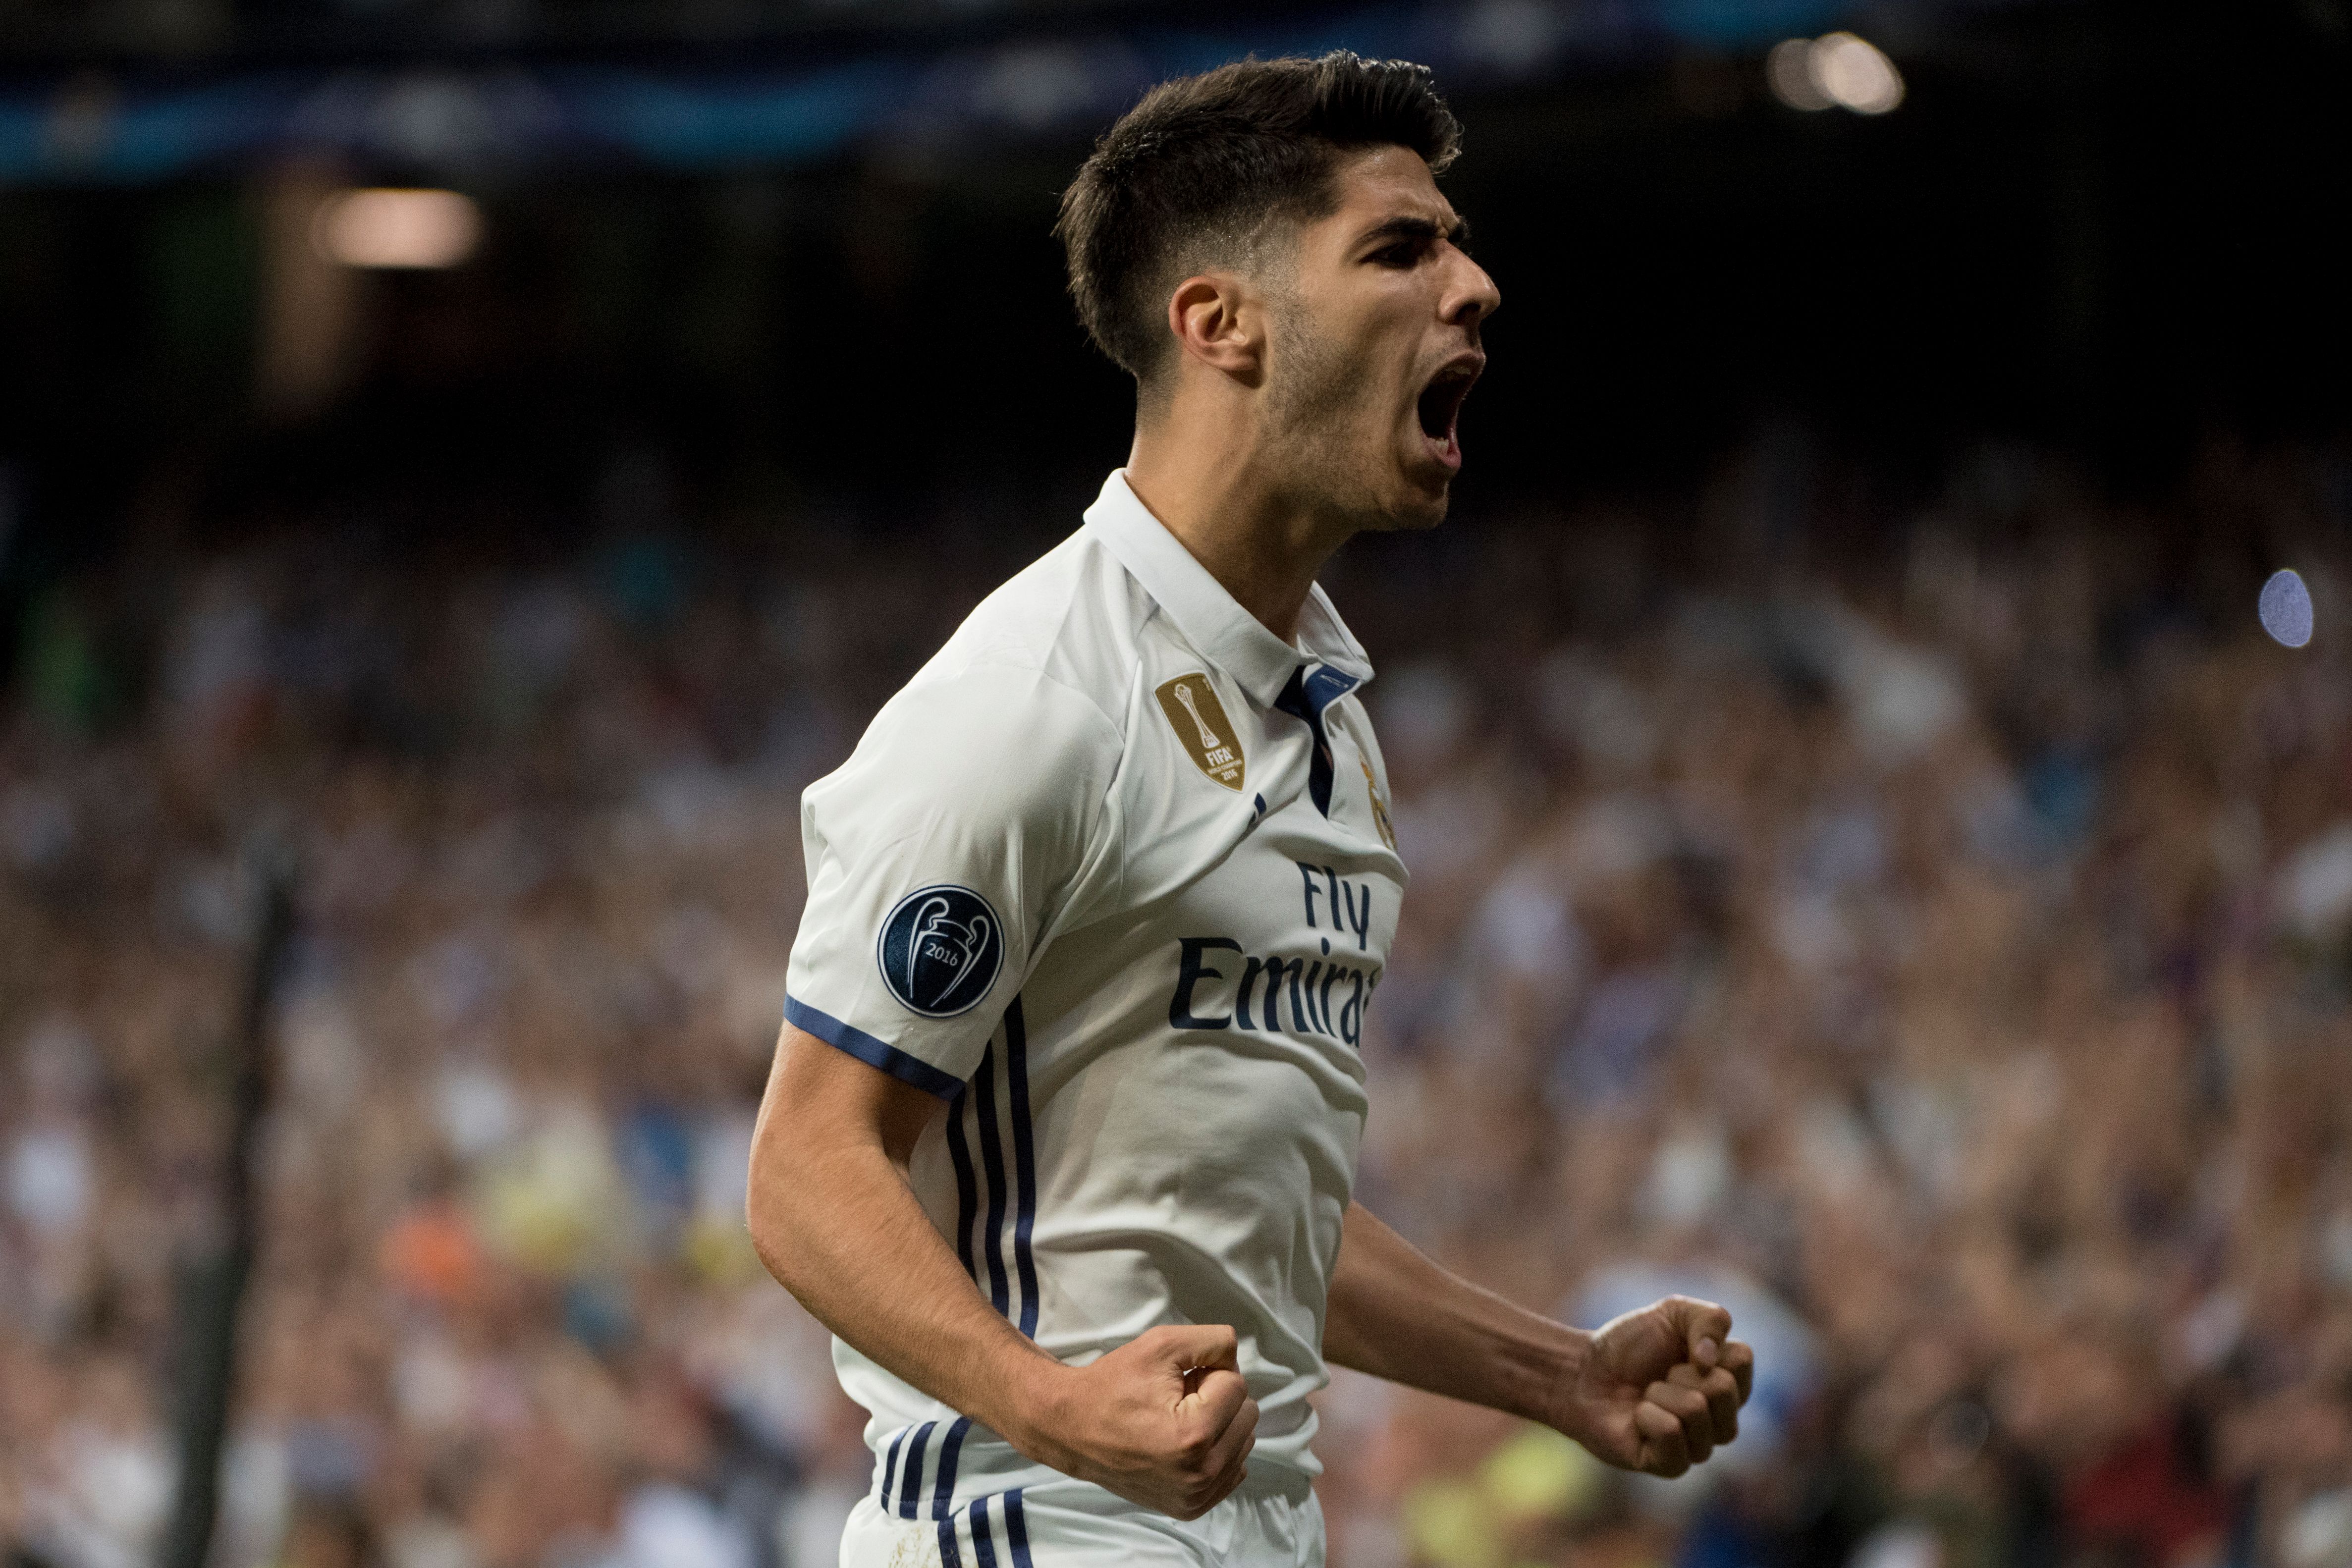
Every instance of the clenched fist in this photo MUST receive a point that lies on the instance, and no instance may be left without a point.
(1165, 1420)
(1659, 1389)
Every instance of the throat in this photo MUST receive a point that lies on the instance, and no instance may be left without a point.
(1264, 551)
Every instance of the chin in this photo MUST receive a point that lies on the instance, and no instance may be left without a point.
(1418, 508)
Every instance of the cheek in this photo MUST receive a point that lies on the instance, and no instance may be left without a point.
(1377, 332)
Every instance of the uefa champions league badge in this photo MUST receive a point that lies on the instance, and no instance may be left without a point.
(941, 950)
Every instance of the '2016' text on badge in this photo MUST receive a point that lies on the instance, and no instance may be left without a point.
(940, 949)
(1201, 726)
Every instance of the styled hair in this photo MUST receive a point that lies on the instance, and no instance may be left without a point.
(1196, 171)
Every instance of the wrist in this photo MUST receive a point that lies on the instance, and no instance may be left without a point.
(1558, 1404)
(1037, 1412)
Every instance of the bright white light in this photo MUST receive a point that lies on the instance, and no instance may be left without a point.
(397, 228)
(1836, 68)
(1788, 68)
(1849, 72)
(2285, 608)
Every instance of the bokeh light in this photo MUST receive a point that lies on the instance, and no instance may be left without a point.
(398, 228)
(1853, 73)
(1837, 70)
(2285, 608)
(1788, 69)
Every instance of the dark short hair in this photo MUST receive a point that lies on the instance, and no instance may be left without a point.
(1191, 173)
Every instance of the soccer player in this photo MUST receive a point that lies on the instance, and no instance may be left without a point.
(1064, 1119)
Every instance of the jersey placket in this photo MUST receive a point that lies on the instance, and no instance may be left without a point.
(1313, 688)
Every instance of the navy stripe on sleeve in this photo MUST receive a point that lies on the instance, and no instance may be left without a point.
(992, 1157)
(948, 1556)
(966, 1187)
(874, 1052)
(1025, 1163)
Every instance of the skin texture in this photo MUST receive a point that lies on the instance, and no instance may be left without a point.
(1164, 1421)
(1655, 1390)
(1287, 422)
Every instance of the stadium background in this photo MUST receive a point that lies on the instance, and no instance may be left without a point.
(1871, 864)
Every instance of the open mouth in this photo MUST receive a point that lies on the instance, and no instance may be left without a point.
(1440, 407)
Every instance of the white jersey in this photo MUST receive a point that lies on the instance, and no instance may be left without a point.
(1113, 877)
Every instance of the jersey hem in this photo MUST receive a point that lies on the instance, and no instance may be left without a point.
(905, 1069)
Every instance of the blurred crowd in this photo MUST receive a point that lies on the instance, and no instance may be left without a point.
(1921, 920)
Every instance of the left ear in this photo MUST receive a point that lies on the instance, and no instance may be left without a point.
(1220, 324)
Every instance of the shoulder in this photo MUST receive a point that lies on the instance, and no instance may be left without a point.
(1026, 707)
(1068, 626)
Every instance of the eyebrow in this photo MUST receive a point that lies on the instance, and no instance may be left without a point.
(1398, 228)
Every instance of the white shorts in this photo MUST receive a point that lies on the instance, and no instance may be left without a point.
(1066, 1524)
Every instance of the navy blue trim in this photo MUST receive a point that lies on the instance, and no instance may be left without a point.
(1311, 689)
(966, 1187)
(890, 1468)
(1326, 686)
(1016, 1529)
(912, 1481)
(874, 1052)
(948, 1556)
(943, 1493)
(983, 1538)
(1025, 1163)
(992, 1156)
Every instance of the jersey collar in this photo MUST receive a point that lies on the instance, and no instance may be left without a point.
(1211, 620)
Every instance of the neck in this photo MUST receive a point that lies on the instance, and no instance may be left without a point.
(1211, 480)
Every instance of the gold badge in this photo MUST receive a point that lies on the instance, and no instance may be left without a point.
(1199, 721)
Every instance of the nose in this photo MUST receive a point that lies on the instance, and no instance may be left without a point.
(1470, 295)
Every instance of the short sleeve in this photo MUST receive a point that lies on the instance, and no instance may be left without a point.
(937, 855)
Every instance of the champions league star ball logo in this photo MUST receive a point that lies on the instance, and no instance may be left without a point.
(941, 950)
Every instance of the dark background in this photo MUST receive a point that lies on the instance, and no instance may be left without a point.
(2110, 226)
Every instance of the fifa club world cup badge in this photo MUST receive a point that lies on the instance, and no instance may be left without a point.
(1199, 720)
(941, 950)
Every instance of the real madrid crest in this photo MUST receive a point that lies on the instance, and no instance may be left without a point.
(1201, 726)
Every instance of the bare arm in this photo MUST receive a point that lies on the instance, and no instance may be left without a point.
(1654, 1390)
(1165, 1421)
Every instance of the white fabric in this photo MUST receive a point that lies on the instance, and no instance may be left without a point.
(1062, 1524)
(1121, 1151)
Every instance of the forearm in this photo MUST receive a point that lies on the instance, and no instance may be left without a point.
(835, 1222)
(1396, 1314)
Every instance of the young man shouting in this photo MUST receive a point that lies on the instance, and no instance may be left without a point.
(1064, 1121)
